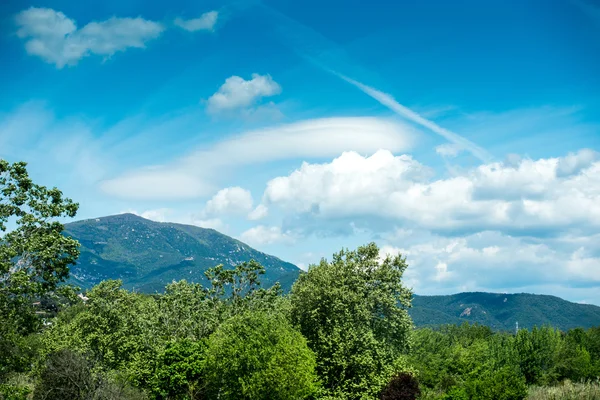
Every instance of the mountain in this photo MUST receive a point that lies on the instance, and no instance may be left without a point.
(502, 311)
(147, 255)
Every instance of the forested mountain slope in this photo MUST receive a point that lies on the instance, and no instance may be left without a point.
(147, 255)
(503, 311)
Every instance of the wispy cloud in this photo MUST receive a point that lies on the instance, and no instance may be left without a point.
(55, 38)
(194, 175)
(206, 22)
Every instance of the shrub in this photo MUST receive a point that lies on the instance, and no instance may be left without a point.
(403, 386)
(259, 356)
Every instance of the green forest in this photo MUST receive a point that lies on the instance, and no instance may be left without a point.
(342, 332)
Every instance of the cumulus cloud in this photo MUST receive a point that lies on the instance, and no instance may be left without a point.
(265, 235)
(189, 176)
(527, 198)
(493, 261)
(206, 22)
(260, 212)
(238, 93)
(55, 38)
(232, 200)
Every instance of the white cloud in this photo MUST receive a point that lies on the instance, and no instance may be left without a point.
(232, 200)
(238, 93)
(492, 261)
(526, 198)
(55, 38)
(260, 212)
(193, 175)
(206, 22)
(265, 235)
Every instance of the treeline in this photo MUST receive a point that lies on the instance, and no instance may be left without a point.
(473, 362)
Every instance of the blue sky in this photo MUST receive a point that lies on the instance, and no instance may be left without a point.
(463, 134)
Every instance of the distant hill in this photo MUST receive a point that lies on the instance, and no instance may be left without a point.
(503, 311)
(147, 255)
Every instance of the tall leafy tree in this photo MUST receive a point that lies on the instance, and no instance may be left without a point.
(353, 312)
(34, 256)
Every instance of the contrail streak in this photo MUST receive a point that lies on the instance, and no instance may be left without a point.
(295, 34)
(388, 101)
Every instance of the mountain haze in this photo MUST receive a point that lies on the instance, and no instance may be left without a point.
(147, 255)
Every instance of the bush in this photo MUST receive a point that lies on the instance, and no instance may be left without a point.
(259, 356)
(504, 384)
(403, 386)
(66, 375)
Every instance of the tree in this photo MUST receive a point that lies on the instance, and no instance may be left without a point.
(403, 386)
(179, 371)
(66, 375)
(259, 356)
(353, 312)
(34, 256)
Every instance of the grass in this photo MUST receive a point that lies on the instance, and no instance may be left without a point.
(566, 391)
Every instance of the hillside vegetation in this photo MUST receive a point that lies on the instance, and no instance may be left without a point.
(502, 311)
(146, 255)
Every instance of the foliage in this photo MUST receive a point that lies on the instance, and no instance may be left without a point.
(504, 384)
(353, 313)
(179, 371)
(259, 356)
(66, 375)
(34, 256)
(403, 386)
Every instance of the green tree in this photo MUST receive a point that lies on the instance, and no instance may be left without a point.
(504, 384)
(117, 327)
(179, 371)
(259, 356)
(353, 312)
(34, 256)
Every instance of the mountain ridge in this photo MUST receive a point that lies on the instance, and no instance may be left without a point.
(147, 254)
(501, 311)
